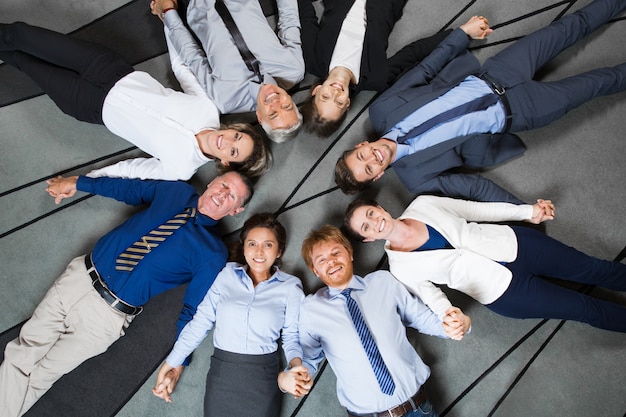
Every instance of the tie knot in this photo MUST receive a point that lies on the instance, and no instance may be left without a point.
(346, 292)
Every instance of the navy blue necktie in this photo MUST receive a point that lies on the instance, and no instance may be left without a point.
(383, 376)
(478, 104)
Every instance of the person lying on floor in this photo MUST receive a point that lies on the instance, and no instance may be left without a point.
(172, 242)
(438, 240)
(91, 83)
(252, 304)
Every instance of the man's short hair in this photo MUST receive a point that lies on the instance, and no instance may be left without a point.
(313, 122)
(325, 234)
(359, 202)
(285, 134)
(249, 187)
(344, 177)
(258, 163)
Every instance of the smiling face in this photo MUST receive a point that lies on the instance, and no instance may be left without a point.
(223, 196)
(260, 249)
(368, 160)
(331, 99)
(371, 223)
(332, 263)
(228, 146)
(275, 107)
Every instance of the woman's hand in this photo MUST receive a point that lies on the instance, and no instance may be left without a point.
(456, 323)
(542, 210)
(166, 381)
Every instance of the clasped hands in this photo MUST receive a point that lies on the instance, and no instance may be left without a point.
(296, 381)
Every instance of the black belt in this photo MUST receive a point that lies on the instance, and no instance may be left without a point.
(500, 91)
(400, 410)
(106, 294)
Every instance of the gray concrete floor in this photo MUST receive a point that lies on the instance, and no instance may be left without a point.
(505, 367)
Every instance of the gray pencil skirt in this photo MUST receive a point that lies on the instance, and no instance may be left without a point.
(242, 385)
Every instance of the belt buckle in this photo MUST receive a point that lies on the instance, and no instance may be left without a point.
(498, 89)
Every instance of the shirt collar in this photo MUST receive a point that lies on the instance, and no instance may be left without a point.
(356, 283)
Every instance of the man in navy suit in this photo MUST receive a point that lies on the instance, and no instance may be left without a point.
(502, 96)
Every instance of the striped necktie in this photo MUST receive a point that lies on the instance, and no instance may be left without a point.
(129, 259)
(385, 381)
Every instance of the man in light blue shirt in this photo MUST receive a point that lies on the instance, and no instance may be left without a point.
(327, 330)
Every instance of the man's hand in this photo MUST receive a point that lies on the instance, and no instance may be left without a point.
(543, 210)
(166, 381)
(477, 27)
(60, 188)
(157, 7)
(455, 323)
(296, 381)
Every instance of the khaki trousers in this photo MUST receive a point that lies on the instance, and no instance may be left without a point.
(70, 325)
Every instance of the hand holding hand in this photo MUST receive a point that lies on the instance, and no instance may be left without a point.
(296, 381)
(60, 188)
(167, 378)
(477, 27)
(455, 323)
(542, 210)
(157, 7)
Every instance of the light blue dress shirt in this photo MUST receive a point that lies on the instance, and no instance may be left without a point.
(326, 329)
(247, 320)
(491, 120)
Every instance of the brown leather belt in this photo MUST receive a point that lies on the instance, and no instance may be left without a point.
(107, 295)
(500, 91)
(400, 410)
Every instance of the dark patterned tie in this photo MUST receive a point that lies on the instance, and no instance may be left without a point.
(383, 376)
(128, 259)
(248, 57)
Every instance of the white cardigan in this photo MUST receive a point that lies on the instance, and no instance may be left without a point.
(470, 266)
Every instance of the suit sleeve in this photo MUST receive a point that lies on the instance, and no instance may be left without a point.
(309, 31)
(468, 186)
(412, 54)
(453, 45)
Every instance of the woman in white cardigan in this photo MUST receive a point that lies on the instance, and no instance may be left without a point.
(437, 241)
(93, 84)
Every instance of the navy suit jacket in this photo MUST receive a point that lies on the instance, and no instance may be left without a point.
(429, 170)
(377, 71)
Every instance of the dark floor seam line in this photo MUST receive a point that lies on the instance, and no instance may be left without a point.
(65, 171)
(43, 216)
(320, 371)
(141, 384)
(492, 367)
(321, 158)
(585, 289)
(523, 371)
(456, 16)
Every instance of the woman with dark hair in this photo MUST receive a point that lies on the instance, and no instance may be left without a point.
(251, 304)
(347, 49)
(94, 84)
(437, 240)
